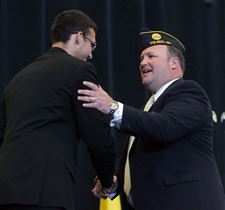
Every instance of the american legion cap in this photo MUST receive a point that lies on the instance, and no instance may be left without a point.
(150, 38)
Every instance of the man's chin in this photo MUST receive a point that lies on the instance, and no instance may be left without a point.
(146, 83)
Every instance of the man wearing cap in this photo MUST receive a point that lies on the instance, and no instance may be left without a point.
(169, 163)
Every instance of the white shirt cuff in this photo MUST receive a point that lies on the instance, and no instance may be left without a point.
(117, 117)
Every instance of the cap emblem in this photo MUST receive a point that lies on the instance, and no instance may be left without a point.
(156, 36)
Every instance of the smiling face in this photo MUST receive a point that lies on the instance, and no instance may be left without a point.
(156, 67)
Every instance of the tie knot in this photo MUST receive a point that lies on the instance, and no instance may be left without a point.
(149, 103)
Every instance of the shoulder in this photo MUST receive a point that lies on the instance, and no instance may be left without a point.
(186, 90)
(80, 70)
(186, 83)
(60, 56)
(182, 85)
(65, 63)
(192, 84)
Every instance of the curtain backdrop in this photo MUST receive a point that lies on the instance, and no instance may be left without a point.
(200, 25)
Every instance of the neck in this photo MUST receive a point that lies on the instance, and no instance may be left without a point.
(64, 46)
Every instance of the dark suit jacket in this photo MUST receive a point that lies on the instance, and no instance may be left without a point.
(40, 126)
(172, 162)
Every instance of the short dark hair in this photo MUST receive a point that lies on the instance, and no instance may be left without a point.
(69, 22)
(174, 52)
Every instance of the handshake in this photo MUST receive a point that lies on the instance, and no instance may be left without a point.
(101, 192)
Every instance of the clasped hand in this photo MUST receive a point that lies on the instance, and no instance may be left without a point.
(101, 192)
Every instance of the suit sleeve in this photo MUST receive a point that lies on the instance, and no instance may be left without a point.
(95, 132)
(184, 111)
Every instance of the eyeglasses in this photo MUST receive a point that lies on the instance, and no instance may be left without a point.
(93, 44)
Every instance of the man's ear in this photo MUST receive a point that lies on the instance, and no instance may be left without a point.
(174, 62)
(77, 37)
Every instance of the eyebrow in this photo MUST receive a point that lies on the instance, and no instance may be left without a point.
(147, 53)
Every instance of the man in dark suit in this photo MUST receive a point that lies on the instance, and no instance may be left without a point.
(41, 123)
(169, 164)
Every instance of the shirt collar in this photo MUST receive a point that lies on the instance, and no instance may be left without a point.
(160, 91)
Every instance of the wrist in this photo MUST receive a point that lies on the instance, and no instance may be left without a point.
(113, 106)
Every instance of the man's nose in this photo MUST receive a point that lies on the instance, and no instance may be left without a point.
(143, 62)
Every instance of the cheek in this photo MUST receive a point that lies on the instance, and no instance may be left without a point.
(88, 51)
